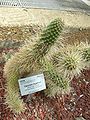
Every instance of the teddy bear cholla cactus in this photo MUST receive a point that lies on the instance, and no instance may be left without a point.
(27, 60)
(69, 61)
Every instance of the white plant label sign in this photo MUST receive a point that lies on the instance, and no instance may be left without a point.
(32, 84)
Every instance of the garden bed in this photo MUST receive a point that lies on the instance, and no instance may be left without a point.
(40, 107)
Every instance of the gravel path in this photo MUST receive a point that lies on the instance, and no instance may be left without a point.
(21, 16)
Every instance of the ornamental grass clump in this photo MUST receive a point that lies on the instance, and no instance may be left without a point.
(27, 61)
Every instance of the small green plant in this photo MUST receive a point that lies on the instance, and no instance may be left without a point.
(27, 60)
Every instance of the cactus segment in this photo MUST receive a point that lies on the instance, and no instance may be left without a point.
(56, 84)
(69, 61)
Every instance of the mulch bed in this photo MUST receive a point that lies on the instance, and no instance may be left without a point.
(67, 107)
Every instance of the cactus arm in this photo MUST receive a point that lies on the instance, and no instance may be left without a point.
(56, 83)
(48, 38)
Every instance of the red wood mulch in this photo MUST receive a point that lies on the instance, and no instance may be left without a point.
(67, 107)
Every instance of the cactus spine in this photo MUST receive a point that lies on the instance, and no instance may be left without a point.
(26, 61)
